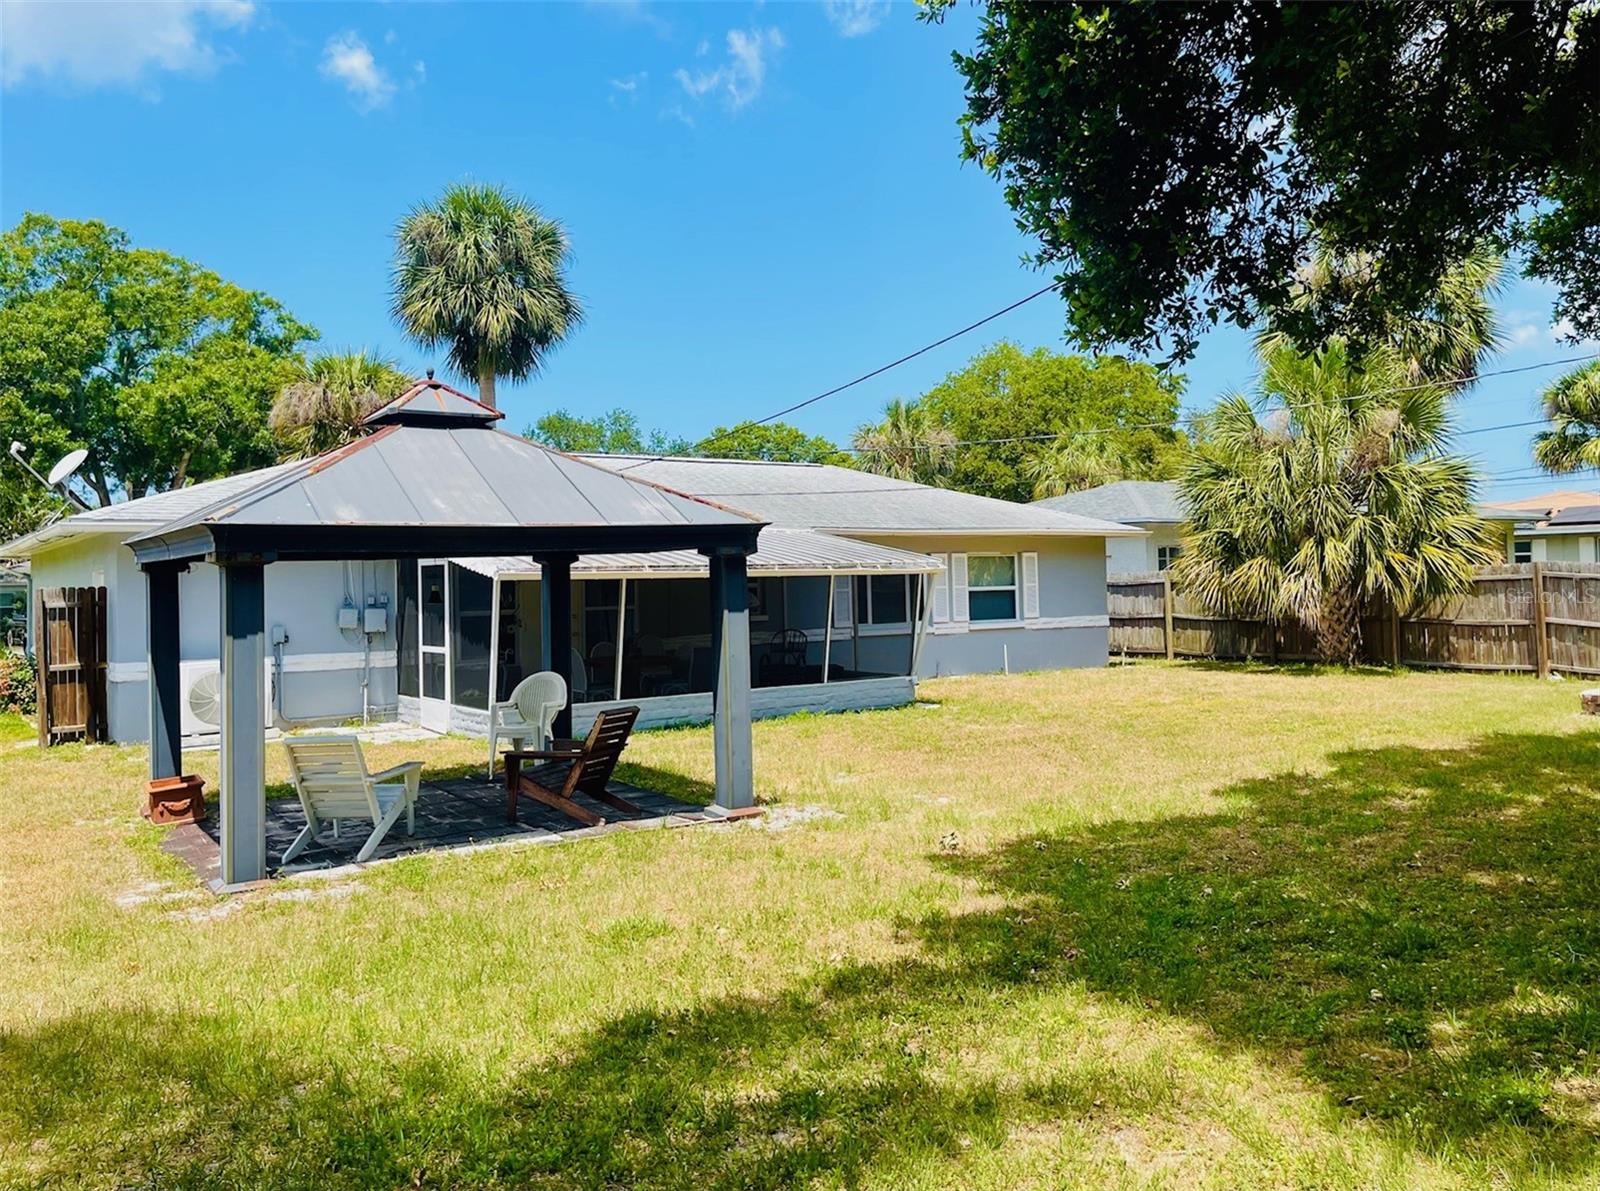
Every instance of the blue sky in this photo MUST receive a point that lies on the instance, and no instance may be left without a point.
(764, 200)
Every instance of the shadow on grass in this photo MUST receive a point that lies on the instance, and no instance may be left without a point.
(1418, 932)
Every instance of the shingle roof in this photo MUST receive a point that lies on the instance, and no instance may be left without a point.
(148, 512)
(1133, 502)
(820, 496)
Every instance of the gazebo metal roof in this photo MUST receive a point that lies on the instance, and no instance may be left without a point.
(437, 478)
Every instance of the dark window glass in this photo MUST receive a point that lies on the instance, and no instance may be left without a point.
(433, 604)
(888, 599)
(470, 621)
(991, 605)
(405, 627)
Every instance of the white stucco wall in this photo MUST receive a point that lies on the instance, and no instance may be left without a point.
(1072, 629)
(1138, 556)
(323, 666)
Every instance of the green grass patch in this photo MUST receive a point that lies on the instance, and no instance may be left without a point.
(1152, 926)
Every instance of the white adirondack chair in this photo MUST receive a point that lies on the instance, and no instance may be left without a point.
(528, 715)
(331, 778)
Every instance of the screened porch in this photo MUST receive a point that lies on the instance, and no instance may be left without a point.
(824, 613)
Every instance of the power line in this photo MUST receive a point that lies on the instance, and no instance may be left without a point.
(865, 376)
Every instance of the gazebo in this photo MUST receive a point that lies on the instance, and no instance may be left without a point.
(434, 478)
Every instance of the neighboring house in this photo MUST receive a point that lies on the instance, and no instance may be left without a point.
(13, 602)
(1154, 505)
(1151, 505)
(1559, 526)
(860, 585)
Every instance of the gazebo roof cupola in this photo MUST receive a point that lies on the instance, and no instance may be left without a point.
(433, 403)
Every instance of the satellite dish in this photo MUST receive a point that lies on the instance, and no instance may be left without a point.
(69, 463)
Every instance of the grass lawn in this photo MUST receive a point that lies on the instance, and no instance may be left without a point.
(1157, 926)
(15, 729)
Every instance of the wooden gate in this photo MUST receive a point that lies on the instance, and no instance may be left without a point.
(70, 646)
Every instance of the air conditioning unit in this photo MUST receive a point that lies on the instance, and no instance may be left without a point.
(200, 698)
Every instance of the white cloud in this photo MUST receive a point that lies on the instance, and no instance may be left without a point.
(855, 18)
(739, 79)
(347, 60)
(115, 44)
(1531, 329)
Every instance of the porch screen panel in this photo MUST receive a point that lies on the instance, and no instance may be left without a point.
(671, 654)
(470, 594)
(405, 627)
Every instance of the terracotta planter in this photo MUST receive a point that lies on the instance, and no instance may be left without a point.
(176, 799)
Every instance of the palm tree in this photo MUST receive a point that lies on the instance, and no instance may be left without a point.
(322, 408)
(1074, 462)
(1343, 497)
(1572, 403)
(1444, 341)
(908, 444)
(483, 273)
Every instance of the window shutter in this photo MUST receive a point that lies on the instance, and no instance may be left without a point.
(844, 602)
(1030, 586)
(958, 588)
(941, 590)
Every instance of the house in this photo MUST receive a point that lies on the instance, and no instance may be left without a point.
(1562, 526)
(1154, 506)
(859, 585)
(1150, 505)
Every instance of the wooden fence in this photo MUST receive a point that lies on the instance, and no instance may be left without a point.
(70, 648)
(1497, 625)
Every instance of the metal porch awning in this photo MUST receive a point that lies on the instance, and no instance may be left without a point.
(779, 552)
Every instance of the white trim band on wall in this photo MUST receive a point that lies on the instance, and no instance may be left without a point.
(293, 663)
(1041, 622)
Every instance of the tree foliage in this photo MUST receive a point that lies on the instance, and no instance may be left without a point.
(909, 443)
(775, 442)
(482, 273)
(615, 432)
(1343, 494)
(323, 406)
(1177, 162)
(1007, 393)
(1572, 403)
(162, 369)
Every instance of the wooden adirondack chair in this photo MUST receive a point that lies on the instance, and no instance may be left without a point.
(331, 777)
(571, 767)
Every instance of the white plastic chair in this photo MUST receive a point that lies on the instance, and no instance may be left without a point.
(331, 777)
(528, 715)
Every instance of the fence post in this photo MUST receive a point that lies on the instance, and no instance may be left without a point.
(1540, 639)
(1166, 612)
(1394, 635)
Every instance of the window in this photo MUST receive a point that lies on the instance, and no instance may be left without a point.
(1522, 551)
(883, 599)
(992, 587)
(1166, 556)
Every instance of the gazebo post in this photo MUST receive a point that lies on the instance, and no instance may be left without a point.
(243, 796)
(555, 628)
(161, 665)
(730, 699)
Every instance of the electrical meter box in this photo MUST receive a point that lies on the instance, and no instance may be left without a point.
(377, 619)
(349, 617)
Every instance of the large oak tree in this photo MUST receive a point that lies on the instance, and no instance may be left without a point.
(1177, 163)
(162, 369)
